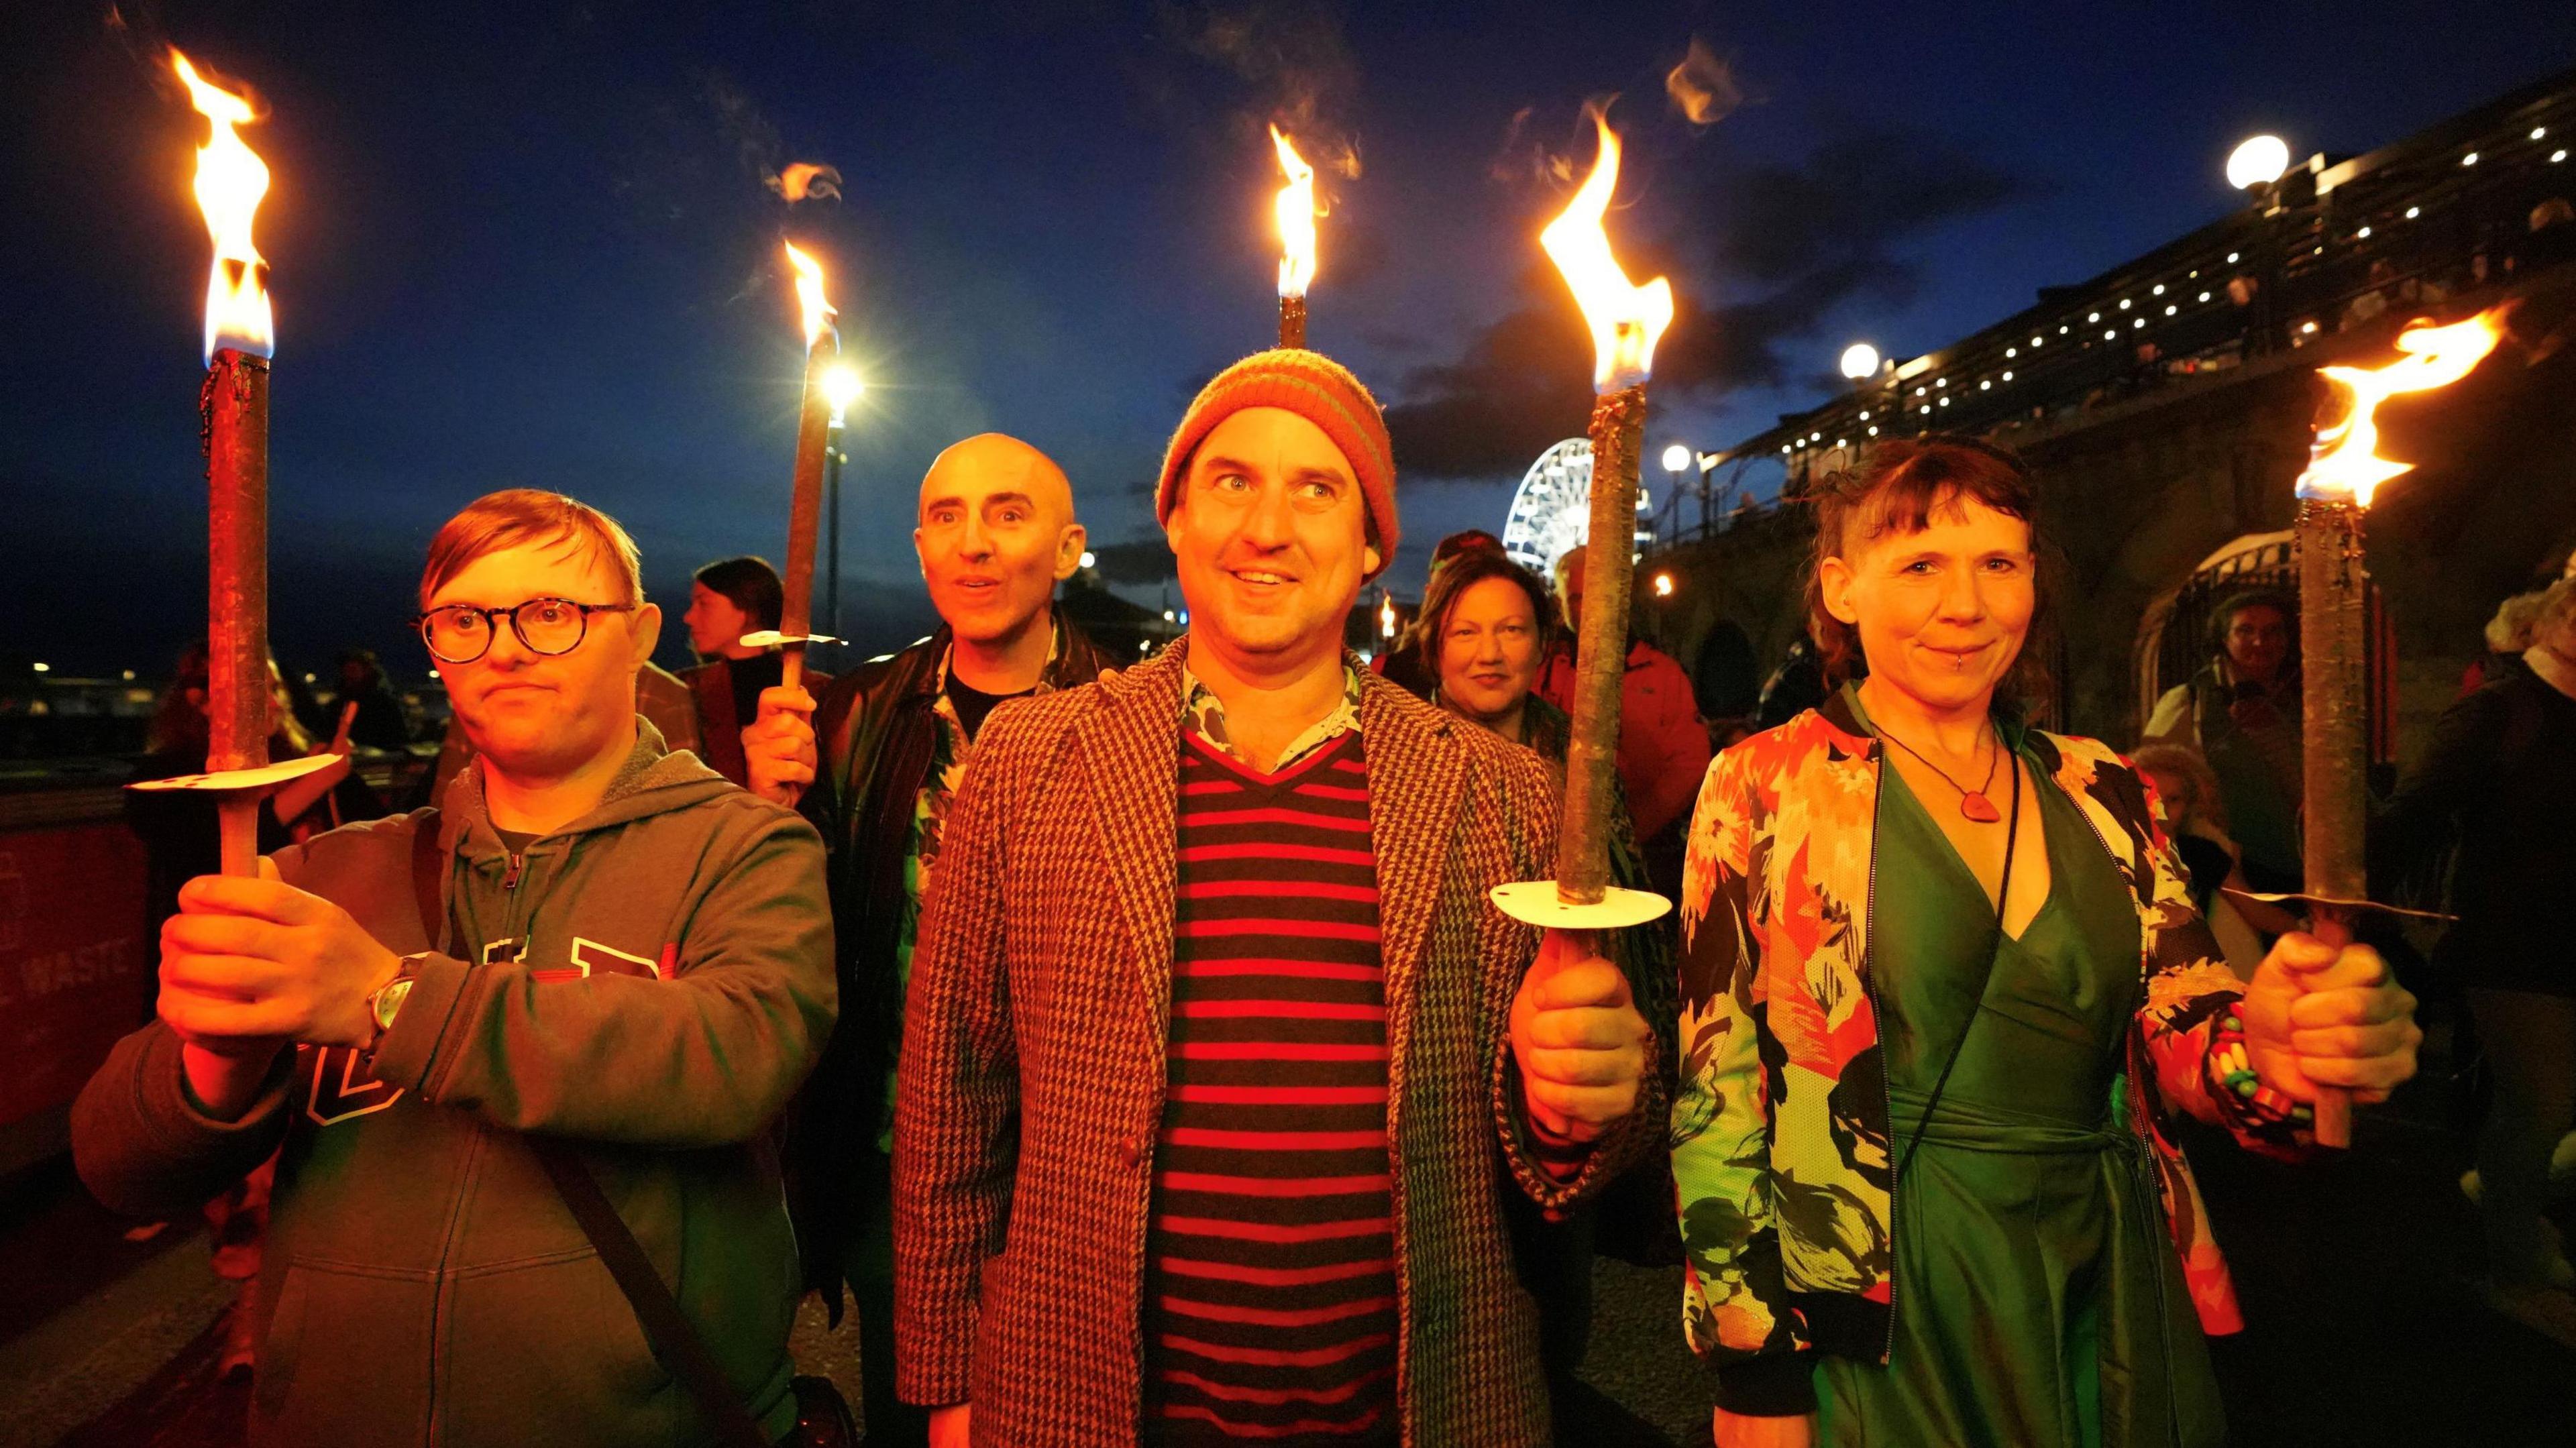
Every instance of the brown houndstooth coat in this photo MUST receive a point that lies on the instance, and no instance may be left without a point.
(1032, 1069)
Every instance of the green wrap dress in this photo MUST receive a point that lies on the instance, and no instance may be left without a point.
(2038, 1301)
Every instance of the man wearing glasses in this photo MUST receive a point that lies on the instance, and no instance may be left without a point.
(592, 940)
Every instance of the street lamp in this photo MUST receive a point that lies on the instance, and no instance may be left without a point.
(841, 387)
(2255, 167)
(1860, 361)
(2257, 161)
(1678, 459)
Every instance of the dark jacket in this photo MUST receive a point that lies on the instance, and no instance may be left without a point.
(719, 700)
(650, 982)
(875, 734)
(1033, 1066)
(2499, 778)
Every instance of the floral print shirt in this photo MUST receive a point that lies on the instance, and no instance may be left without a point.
(1203, 714)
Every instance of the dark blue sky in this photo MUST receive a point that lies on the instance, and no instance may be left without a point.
(528, 243)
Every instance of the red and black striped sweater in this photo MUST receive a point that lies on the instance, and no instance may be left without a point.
(1270, 1291)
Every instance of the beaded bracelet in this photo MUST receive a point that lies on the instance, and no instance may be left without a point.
(2233, 1067)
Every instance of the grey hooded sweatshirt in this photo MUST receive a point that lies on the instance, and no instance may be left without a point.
(651, 982)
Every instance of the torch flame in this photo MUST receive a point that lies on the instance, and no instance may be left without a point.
(2345, 465)
(1626, 319)
(1296, 208)
(809, 295)
(230, 182)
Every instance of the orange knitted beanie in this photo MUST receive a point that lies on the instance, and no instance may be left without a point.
(1316, 388)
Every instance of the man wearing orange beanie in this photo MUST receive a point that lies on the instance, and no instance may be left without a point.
(1215, 1050)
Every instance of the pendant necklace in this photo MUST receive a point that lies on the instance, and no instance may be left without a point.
(1972, 802)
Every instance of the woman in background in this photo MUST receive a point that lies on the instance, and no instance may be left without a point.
(1485, 625)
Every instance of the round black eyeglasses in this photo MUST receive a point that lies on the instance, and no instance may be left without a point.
(460, 633)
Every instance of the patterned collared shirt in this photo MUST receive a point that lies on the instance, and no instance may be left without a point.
(1203, 714)
(950, 753)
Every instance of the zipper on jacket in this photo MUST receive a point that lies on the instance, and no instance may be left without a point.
(510, 881)
(1878, 1014)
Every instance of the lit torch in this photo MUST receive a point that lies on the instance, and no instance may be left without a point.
(2344, 469)
(1626, 321)
(232, 407)
(1296, 211)
(805, 505)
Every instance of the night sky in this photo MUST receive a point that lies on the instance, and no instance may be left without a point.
(530, 243)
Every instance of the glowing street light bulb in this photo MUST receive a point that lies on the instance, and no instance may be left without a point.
(841, 387)
(1090, 559)
(1677, 458)
(2258, 161)
(1860, 361)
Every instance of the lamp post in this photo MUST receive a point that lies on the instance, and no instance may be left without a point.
(1677, 461)
(2255, 167)
(841, 387)
(1860, 362)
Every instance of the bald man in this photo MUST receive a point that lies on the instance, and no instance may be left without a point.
(996, 533)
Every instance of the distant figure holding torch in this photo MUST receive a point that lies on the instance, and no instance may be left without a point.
(1942, 968)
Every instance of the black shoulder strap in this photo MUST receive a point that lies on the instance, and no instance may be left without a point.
(675, 1343)
(425, 883)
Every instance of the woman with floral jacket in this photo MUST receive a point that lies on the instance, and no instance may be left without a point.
(1944, 998)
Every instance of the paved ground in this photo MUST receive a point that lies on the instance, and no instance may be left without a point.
(2359, 1279)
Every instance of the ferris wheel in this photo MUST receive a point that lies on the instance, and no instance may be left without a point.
(1552, 512)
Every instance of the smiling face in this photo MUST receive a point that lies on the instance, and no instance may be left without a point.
(541, 717)
(997, 534)
(1270, 533)
(1489, 649)
(1942, 612)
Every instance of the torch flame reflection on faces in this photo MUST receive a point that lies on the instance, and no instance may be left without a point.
(2346, 466)
(230, 182)
(1296, 210)
(809, 295)
(1626, 319)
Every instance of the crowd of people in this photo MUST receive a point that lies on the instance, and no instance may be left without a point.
(1135, 1048)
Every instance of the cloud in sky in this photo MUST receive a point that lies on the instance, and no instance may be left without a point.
(1783, 247)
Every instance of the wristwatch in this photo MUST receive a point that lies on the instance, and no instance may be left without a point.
(386, 1000)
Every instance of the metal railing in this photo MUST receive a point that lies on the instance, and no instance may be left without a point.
(2474, 204)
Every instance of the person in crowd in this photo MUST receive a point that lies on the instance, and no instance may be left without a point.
(1795, 687)
(1212, 1025)
(380, 722)
(1408, 663)
(594, 959)
(1663, 746)
(2241, 711)
(729, 598)
(2197, 824)
(1945, 1002)
(180, 842)
(995, 533)
(2381, 291)
(2507, 637)
(2549, 235)
(178, 827)
(1484, 621)
(2499, 778)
